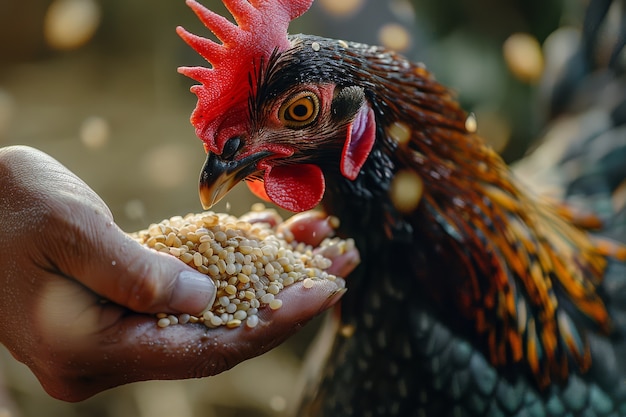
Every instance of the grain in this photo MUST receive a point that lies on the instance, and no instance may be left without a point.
(252, 321)
(250, 264)
(164, 322)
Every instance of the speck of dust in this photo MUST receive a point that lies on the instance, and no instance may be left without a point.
(315, 46)
(113, 263)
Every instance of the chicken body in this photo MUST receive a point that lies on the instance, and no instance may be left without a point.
(425, 328)
(480, 298)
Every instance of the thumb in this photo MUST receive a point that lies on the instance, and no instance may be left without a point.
(141, 279)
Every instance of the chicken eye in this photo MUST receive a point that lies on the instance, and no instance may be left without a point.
(300, 110)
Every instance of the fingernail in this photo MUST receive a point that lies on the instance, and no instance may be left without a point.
(345, 263)
(333, 298)
(193, 293)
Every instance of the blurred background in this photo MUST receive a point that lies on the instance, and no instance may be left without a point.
(94, 84)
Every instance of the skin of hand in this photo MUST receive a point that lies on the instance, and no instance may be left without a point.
(61, 255)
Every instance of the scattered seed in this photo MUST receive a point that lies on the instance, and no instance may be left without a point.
(204, 247)
(197, 259)
(252, 321)
(230, 269)
(240, 315)
(213, 270)
(160, 246)
(220, 236)
(267, 298)
(224, 301)
(233, 323)
(273, 289)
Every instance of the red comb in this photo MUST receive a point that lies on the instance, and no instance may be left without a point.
(260, 30)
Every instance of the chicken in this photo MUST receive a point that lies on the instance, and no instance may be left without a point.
(475, 297)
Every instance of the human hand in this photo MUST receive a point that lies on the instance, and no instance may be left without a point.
(61, 255)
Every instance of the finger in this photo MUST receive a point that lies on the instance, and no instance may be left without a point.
(344, 256)
(138, 349)
(310, 227)
(82, 242)
(139, 278)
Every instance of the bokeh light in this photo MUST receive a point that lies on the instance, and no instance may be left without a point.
(70, 24)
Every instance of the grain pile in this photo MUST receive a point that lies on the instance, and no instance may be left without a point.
(249, 262)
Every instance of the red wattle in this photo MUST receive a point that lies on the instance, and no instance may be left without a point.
(294, 187)
(258, 189)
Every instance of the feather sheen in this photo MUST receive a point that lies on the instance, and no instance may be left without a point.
(510, 248)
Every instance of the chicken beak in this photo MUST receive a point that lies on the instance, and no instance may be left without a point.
(219, 176)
